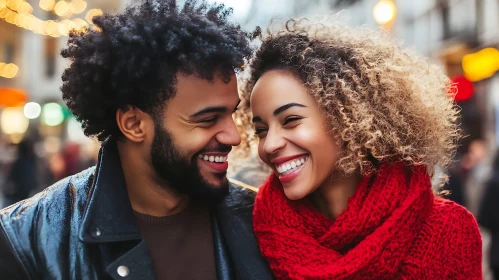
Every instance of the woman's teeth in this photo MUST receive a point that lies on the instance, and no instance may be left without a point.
(290, 165)
(213, 158)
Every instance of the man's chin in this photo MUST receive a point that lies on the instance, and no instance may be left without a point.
(210, 195)
(216, 180)
(210, 189)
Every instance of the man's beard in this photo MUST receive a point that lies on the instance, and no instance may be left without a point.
(181, 173)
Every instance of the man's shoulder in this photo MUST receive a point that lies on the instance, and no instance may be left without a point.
(240, 194)
(63, 197)
(52, 214)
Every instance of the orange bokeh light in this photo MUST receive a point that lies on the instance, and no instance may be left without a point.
(12, 97)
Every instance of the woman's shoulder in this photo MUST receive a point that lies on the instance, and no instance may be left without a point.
(448, 207)
(453, 241)
(451, 224)
(449, 216)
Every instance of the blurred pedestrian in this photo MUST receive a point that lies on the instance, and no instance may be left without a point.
(22, 175)
(489, 216)
(467, 176)
(352, 126)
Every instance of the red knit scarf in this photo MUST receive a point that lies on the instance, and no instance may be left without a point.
(369, 240)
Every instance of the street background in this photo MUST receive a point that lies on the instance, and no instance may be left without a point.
(462, 36)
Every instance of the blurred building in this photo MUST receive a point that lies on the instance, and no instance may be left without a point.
(463, 36)
(450, 32)
(444, 30)
(32, 34)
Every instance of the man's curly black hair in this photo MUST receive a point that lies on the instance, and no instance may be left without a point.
(132, 58)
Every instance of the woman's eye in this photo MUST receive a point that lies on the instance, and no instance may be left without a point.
(291, 119)
(260, 132)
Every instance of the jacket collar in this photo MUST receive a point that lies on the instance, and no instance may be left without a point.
(109, 216)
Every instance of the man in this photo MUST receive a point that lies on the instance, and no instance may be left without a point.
(157, 85)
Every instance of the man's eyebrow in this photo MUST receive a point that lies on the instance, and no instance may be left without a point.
(208, 110)
(213, 109)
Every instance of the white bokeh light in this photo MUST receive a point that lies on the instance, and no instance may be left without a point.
(32, 110)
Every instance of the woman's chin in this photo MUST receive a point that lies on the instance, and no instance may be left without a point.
(296, 193)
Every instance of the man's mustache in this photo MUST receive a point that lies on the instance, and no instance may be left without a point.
(217, 149)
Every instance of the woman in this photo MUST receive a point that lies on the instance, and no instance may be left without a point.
(352, 127)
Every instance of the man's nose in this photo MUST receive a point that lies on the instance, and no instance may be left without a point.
(229, 135)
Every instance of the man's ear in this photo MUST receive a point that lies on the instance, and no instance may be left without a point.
(133, 123)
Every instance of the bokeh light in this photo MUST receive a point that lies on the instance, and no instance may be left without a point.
(47, 5)
(91, 14)
(52, 114)
(77, 6)
(384, 12)
(8, 70)
(481, 65)
(61, 8)
(32, 110)
(13, 121)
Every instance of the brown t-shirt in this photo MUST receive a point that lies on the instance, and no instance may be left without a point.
(181, 245)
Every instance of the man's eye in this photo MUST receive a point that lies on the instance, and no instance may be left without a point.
(209, 120)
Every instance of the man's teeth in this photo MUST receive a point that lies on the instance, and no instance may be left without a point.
(213, 158)
(290, 165)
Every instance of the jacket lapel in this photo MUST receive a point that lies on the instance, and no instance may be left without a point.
(135, 264)
(236, 226)
(225, 269)
(109, 222)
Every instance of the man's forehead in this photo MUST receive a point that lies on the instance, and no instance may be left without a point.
(184, 79)
(194, 94)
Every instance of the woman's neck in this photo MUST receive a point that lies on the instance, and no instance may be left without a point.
(332, 197)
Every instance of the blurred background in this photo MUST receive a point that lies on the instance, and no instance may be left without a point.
(40, 141)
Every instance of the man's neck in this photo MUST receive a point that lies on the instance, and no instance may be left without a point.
(148, 194)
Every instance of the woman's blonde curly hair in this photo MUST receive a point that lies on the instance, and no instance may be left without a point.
(382, 102)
